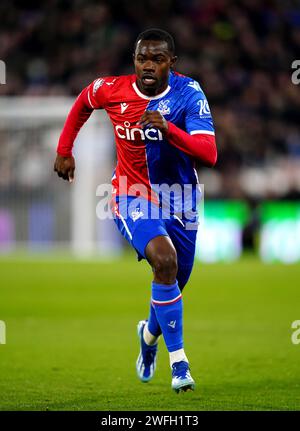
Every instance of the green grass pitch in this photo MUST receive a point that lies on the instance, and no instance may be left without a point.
(72, 344)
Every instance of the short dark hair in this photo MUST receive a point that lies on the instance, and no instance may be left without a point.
(156, 34)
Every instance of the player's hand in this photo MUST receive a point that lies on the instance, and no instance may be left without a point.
(65, 167)
(154, 119)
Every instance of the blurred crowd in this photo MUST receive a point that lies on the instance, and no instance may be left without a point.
(240, 51)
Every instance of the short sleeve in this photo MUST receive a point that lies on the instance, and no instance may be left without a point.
(198, 117)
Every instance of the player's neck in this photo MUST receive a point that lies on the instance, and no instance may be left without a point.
(151, 92)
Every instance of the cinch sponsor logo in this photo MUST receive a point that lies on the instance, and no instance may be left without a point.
(134, 133)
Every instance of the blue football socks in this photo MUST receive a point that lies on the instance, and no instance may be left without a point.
(167, 305)
(153, 324)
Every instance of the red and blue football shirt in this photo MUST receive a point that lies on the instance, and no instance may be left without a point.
(144, 156)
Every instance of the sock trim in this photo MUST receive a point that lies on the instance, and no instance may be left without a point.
(177, 356)
(172, 301)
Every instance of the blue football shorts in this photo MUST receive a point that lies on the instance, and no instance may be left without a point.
(140, 220)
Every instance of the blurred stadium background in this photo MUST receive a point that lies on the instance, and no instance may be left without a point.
(240, 51)
(238, 316)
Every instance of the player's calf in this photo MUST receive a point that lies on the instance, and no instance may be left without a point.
(167, 303)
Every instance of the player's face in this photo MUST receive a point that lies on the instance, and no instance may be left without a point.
(152, 61)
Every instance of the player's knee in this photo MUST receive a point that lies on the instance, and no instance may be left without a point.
(165, 267)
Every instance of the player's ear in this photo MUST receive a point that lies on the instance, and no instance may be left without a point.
(173, 61)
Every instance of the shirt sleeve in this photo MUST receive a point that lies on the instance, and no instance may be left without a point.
(95, 94)
(199, 146)
(198, 119)
(198, 138)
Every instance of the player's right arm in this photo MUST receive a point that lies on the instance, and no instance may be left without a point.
(89, 99)
(198, 138)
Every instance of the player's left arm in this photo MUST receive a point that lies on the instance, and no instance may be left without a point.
(199, 138)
